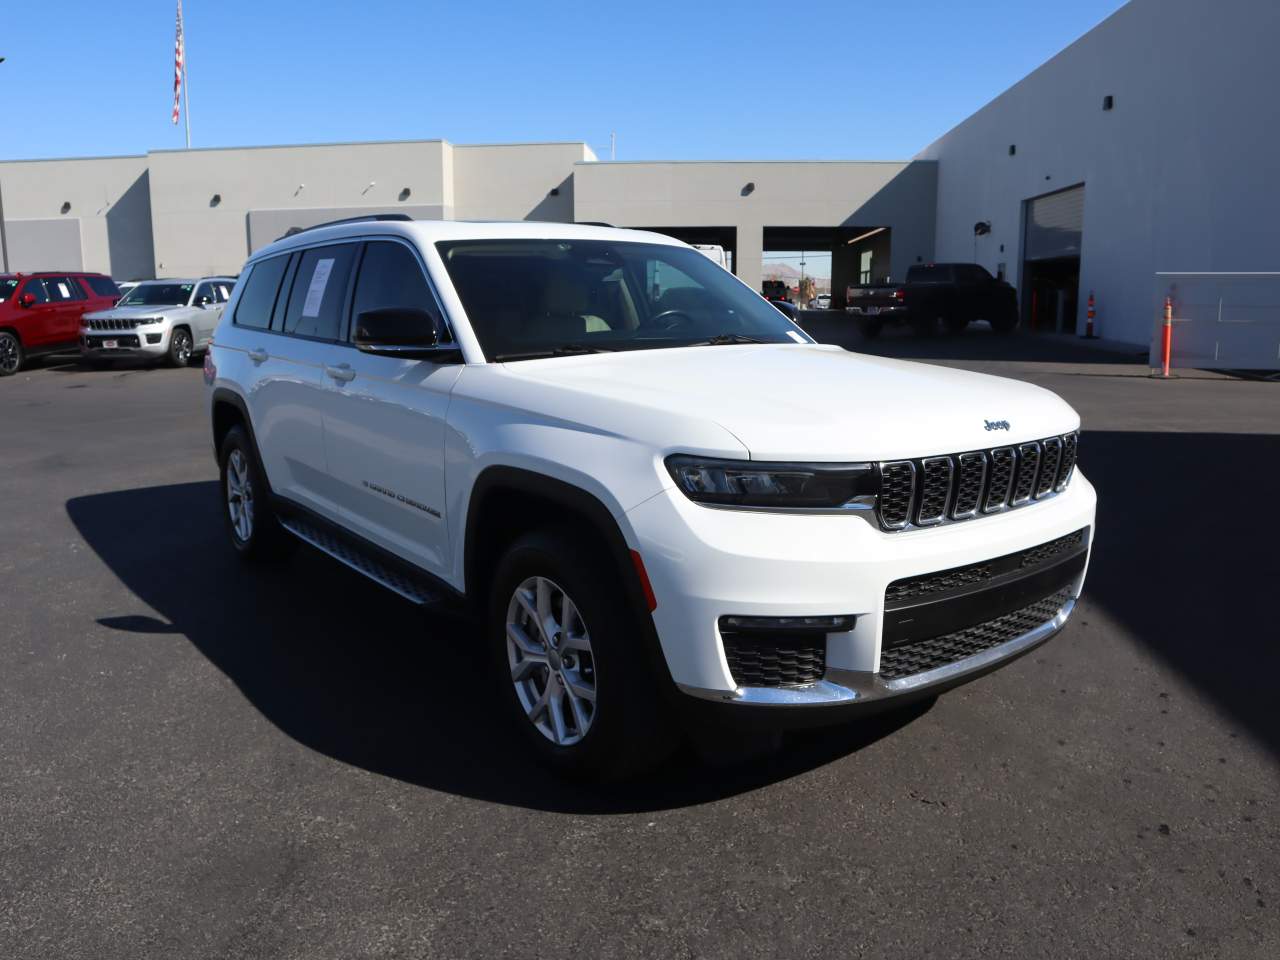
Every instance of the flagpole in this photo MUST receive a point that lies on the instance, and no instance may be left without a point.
(186, 85)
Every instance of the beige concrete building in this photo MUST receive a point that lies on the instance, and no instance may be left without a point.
(187, 212)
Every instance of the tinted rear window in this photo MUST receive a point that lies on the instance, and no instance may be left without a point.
(102, 286)
(319, 291)
(929, 274)
(260, 289)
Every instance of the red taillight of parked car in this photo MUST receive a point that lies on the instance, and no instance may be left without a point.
(899, 295)
(210, 371)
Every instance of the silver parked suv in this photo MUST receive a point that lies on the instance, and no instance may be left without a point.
(161, 319)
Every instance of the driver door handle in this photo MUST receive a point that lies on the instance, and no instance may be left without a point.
(258, 356)
(342, 372)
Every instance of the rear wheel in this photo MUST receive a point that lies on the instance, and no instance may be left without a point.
(570, 670)
(954, 324)
(924, 325)
(870, 328)
(10, 353)
(255, 532)
(1005, 322)
(180, 346)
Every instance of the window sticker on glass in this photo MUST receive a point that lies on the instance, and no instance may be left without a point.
(62, 288)
(315, 292)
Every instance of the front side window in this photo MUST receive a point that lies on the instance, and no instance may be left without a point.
(36, 287)
(319, 288)
(8, 287)
(529, 298)
(259, 296)
(390, 276)
(204, 295)
(158, 295)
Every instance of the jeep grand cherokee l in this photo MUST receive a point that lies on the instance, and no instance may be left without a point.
(165, 320)
(666, 501)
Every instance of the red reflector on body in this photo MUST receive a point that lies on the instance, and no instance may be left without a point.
(645, 585)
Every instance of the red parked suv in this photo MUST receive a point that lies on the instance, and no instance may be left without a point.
(40, 312)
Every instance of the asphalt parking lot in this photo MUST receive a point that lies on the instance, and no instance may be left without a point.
(201, 761)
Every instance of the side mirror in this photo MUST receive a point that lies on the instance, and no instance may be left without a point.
(27, 300)
(405, 332)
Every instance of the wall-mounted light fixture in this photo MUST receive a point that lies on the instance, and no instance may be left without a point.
(301, 187)
(215, 200)
(553, 192)
(869, 233)
(1108, 102)
(982, 228)
(66, 206)
(372, 184)
(404, 194)
(1013, 149)
(749, 188)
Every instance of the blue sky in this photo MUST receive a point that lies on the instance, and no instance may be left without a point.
(676, 80)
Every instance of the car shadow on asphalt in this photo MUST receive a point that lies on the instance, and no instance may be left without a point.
(360, 675)
(1184, 560)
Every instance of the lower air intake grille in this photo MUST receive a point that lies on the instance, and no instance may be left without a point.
(776, 661)
(913, 658)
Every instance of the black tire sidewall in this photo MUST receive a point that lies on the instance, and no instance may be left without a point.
(626, 703)
(174, 337)
(17, 346)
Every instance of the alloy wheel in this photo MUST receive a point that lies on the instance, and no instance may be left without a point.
(240, 496)
(552, 664)
(9, 358)
(182, 347)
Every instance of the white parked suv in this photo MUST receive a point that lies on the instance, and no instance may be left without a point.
(670, 506)
(165, 320)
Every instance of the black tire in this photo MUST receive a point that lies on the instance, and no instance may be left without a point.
(869, 328)
(924, 325)
(180, 348)
(11, 357)
(955, 325)
(628, 729)
(265, 539)
(1005, 323)
(96, 363)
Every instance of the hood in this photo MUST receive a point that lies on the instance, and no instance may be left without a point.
(816, 402)
(133, 313)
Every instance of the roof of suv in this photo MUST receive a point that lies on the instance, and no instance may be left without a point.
(217, 276)
(431, 231)
(51, 273)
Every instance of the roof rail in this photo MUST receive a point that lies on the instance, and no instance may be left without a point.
(294, 231)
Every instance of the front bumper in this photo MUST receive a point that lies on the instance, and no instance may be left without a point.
(707, 563)
(141, 341)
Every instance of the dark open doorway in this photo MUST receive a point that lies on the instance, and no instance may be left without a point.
(1051, 294)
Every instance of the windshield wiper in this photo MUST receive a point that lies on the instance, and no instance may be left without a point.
(723, 339)
(564, 350)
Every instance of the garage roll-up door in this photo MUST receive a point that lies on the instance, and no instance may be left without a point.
(1055, 223)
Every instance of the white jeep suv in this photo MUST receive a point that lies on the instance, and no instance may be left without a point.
(667, 502)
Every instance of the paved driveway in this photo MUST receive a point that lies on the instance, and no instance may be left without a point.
(200, 762)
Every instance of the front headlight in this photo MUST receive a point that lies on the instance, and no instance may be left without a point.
(797, 486)
(145, 320)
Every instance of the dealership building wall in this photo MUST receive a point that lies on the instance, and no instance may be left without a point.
(1178, 176)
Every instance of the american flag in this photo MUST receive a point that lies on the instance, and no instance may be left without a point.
(179, 54)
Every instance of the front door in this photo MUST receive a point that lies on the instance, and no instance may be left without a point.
(385, 420)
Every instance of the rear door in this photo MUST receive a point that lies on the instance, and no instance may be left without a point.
(385, 419)
(70, 300)
(283, 387)
(205, 313)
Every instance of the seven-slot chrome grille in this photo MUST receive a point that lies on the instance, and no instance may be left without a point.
(959, 486)
(113, 324)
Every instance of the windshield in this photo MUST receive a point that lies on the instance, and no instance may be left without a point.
(7, 286)
(530, 298)
(157, 295)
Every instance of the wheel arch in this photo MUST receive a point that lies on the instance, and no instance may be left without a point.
(228, 409)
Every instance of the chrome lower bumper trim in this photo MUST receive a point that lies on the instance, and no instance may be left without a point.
(851, 686)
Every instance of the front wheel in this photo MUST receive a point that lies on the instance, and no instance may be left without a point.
(955, 325)
(1005, 323)
(180, 346)
(570, 670)
(10, 353)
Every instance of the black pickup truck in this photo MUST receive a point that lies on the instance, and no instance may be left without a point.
(946, 294)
